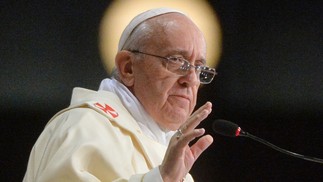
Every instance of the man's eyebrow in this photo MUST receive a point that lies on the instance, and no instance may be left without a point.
(178, 52)
(202, 60)
(185, 55)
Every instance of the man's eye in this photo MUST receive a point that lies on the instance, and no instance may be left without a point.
(175, 59)
(200, 64)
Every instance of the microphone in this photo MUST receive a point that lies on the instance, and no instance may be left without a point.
(230, 129)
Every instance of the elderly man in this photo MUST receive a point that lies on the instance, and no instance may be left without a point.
(137, 127)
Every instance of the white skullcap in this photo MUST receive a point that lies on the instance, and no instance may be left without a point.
(141, 18)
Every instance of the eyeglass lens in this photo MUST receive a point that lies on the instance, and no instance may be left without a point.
(182, 67)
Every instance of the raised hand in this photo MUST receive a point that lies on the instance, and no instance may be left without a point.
(180, 157)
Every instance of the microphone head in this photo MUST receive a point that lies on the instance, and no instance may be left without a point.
(226, 128)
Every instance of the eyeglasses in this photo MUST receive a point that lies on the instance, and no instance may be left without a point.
(181, 66)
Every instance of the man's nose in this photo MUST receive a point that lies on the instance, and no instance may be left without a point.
(190, 78)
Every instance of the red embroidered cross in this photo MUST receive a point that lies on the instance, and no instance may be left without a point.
(107, 109)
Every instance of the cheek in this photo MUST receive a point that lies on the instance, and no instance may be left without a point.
(152, 84)
(155, 92)
(194, 91)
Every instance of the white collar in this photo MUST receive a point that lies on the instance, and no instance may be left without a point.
(148, 126)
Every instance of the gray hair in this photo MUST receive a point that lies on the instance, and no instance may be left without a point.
(138, 40)
(138, 32)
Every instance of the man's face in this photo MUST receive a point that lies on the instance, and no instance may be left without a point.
(170, 98)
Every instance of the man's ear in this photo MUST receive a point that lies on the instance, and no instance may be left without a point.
(124, 63)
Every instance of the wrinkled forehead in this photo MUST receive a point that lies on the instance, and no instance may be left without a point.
(177, 34)
(140, 19)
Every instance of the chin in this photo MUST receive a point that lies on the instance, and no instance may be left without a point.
(173, 117)
(175, 122)
(172, 126)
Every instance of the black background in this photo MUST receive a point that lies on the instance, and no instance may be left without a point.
(270, 82)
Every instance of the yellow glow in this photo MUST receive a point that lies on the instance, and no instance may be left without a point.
(120, 13)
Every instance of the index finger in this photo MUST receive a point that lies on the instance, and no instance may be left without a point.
(196, 118)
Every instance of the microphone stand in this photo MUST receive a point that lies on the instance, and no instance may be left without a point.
(309, 158)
